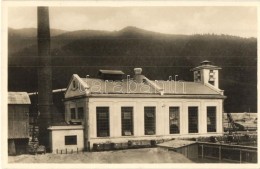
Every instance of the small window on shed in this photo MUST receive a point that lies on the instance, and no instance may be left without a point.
(71, 140)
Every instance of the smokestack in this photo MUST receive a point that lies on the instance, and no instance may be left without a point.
(44, 75)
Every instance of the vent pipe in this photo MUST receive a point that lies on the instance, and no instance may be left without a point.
(138, 77)
(45, 101)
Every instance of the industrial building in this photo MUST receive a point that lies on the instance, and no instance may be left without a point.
(18, 122)
(115, 109)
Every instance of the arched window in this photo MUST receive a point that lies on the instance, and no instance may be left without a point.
(74, 85)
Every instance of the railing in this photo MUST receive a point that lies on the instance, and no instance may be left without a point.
(232, 153)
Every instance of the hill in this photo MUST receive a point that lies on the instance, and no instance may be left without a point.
(160, 55)
(19, 39)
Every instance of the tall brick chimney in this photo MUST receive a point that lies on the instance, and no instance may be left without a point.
(45, 101)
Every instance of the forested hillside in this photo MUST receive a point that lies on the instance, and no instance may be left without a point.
(160, 55)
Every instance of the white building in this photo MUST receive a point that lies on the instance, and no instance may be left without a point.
(113, 109)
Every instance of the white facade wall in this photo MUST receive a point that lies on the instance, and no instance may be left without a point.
(75, 104)
(162, 117)
(57, 138)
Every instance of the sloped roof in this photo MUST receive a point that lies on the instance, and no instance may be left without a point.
(115, 72)
(18, 98)
(124, 87)
(191, 88)
(206, 67)
(176, 143)
(118, 87)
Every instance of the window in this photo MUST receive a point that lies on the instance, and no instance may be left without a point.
(71, 140)
(149, 120)
(73, 113)
(174, 119)
(198, 76)
(193, 119)
(102, 121)
(74, 85)
(211, 77)
(127, 121)
(211, 119)
(80, 113)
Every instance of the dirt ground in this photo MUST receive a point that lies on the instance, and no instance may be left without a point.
(147, 155)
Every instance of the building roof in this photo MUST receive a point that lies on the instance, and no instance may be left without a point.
(176, 143)
(66, 127)
(212, 67)
(205, 65)
(191, 88)
(114, 72)
(18, 98)
(118, 87)
(179, 96)
(149, 88)
(140, 86)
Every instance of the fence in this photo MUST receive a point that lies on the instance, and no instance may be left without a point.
(68, 151)
(229, 153)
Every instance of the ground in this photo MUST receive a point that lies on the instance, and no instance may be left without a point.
(146, 155)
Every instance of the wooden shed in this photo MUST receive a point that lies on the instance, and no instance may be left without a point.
(18, 122)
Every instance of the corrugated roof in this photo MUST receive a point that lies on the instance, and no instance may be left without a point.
(18, 98)
(114, 72)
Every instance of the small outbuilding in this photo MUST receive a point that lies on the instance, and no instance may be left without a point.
(18, 122)
(66, 139)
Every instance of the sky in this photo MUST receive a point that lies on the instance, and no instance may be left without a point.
(238, 21)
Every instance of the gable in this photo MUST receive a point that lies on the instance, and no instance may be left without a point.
(76, 87)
